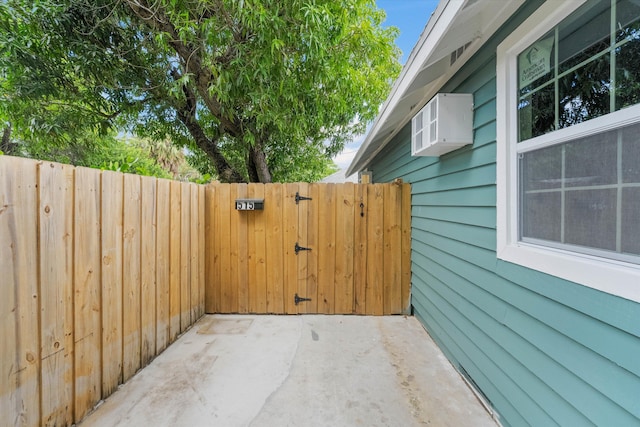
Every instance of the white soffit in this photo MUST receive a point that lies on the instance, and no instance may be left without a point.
(455, 31)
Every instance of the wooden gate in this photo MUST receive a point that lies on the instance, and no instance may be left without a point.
(343, 248)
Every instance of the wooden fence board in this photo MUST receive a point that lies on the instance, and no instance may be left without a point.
(185, 258)
(238, 253)
(201, 250)
(131, 299)
(55, 182)
(256, 191)
(375, 250)
(193, 253)
(238, 295)
(148, 269)
(252, 268)
(290, 228)
(19, 388)
(326, 248)
(111, 283)
(28, 299)
(392, 249)
(10, 352)
(303, 261)
(406, 249)
(360, 250)
(344, 248)
(212, 273)
(174, 264)
(339, 283)
(228, 304)
(274, 249)
(163, 245)
(313, 220)
(87, 327)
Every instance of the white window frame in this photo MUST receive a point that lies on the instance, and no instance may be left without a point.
(612, 276)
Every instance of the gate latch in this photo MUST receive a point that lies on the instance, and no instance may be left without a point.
(298, 299)
(299, 248)
(299, 197)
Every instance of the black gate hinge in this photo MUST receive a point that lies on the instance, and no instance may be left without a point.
(298, 299)
(299, 248)
(299, 197)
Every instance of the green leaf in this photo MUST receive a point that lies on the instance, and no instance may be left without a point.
(295, 79)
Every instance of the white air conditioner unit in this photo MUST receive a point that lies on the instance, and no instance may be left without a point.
(443, 125)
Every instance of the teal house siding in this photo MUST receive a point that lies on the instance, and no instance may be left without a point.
(542, 350)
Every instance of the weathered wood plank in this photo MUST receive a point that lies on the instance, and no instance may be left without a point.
(163, 245)
(223, 213)
(406, 249)
(212, 273)
(87, 303)
(302, 239)
(238, 291)
(131, 248)
(261, 249)
(344, 249)
(326, 248)
(175, 220)
(339, 282)
(313, 220)
(275, 251)
(257, 255)
(20, 349)
(55, 182)
(290, 228)
(185, 257)
(195, 245)
(238, 253)
(360, 249)
(202, 252)
(392, 249)
(250, 250)
(375, 250)
(148, 269)
(112, 229)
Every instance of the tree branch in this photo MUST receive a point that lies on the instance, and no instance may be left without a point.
(154, 17)
(187, 115)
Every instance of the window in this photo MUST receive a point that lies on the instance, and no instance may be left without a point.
(569, 144)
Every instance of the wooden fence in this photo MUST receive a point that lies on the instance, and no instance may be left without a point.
(99, 272)
(358, 236)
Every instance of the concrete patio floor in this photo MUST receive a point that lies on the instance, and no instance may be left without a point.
(311, 370)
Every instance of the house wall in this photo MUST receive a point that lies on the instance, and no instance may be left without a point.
(544, 351)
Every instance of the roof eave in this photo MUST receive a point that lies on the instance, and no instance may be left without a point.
(409, 67)
(453, 24)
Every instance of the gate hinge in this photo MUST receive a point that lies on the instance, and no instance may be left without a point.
(299, 197)
(298, 299)
(299, 248)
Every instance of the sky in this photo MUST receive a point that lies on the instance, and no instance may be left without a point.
(410, 16)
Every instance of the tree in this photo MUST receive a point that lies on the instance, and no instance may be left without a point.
(264, 87)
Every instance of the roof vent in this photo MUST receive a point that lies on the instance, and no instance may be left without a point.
(458, 53)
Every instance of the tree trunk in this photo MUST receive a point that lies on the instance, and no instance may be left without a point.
(259, 160)
(251, 169)
(5, 145)
(226, 173)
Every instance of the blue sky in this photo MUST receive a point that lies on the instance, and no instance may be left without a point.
(410, 16)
